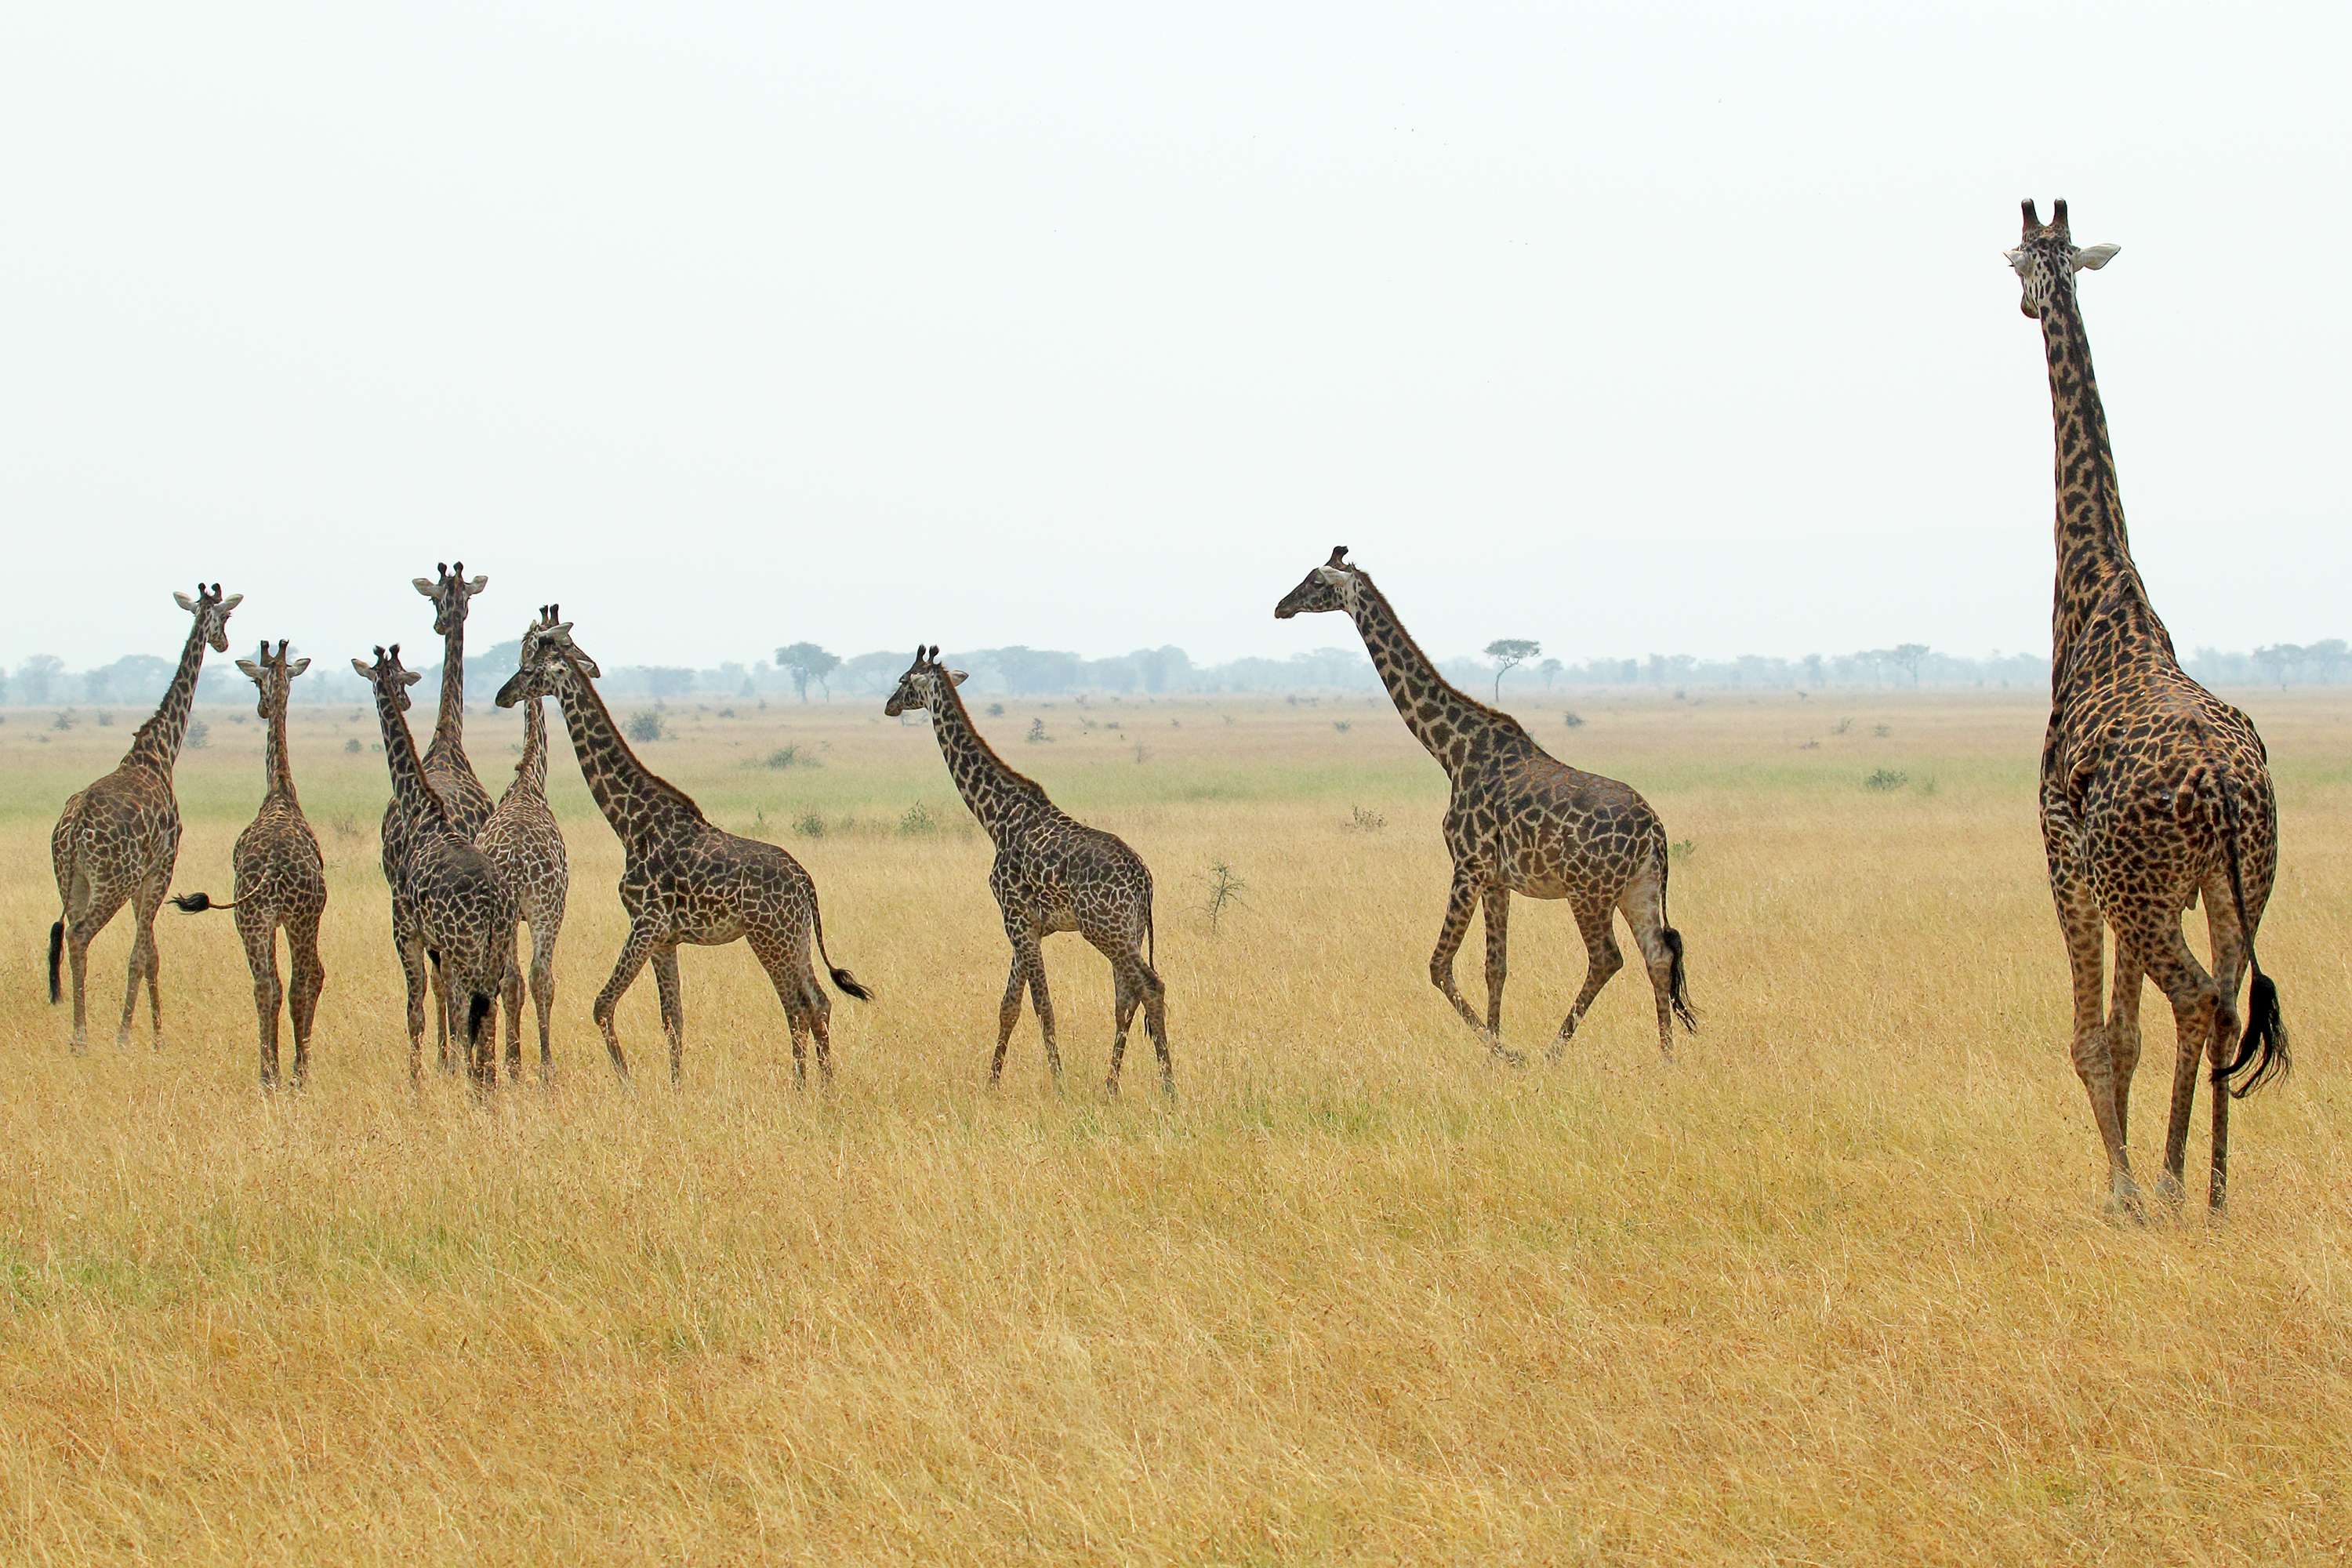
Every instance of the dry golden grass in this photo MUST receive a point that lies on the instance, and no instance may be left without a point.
(1834, 1289)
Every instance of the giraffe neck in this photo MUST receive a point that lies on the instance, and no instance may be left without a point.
(2098, 591)
(157, 743)
(1442, 718)
(418, 801)
(641, 805)
(449, 725)
(278, 768)
(530, 773)
(1000, 797)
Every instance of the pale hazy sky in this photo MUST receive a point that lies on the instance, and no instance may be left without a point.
(1633, 328)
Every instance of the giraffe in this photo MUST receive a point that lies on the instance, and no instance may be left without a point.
(281, 879)
(118, 841)
(2153, 791)
(463, 914)
(682, 879)
(447, 771)
(522, 839)
(1519, 821)
(1051, 874)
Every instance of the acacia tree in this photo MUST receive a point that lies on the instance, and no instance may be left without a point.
(1907, 657)
(808, 662)
(1507, 652)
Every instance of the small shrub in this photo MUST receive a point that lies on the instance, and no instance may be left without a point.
(917, 820)
(644, 725)
(1572, 719)
(727, 712)
(1362, 821)
(345, 827)
(1112, 725)
(1678, 694)
(1881, 730)
(1036, 735)
(791, 757)
(1841, 727)
(1142, 752)
(1811, 746)
(105, 720)
(200, 734)
(1886, 780)
(1927, 786)
(1224, 889)
(352, 746)
(1680, 848)
(1343, 725)
(996, 710)
(64, 721)
(808, 825)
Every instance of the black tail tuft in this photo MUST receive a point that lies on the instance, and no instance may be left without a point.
(848, 985)
(2264, 1046)
(1678, 983)
(478, 1010)
(196, 904)
(56, 957)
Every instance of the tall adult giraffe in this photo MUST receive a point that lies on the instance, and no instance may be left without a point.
(682, 879)
(523, 840)
(463, 914)
(447, 773)
(281, 879)
(118, 840)
(2153, 791)
(1052, 873)
(1519, 821)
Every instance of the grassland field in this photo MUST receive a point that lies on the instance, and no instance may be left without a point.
(1835, 1288)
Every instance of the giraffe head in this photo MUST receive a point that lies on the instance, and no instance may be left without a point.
(548, 651)
(212, 614)
(388, 677)
(273, 675)
(2046, 259)
(1333, 585)
(449, 595)
(919, 686)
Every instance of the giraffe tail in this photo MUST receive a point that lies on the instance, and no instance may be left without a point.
(57, 960)
(1678, 979)
(2263, 1047)
(197, 903)
(845, 982)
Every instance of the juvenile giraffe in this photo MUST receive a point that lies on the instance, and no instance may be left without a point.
(1519, 821)
(464, 916)
(1051, 874)
(682, 879)
(447, 771)
(522, 839)
(281, 879)
(2154, 791)
(118, 840)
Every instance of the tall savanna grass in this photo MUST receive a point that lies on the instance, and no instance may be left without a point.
(1836, 1287)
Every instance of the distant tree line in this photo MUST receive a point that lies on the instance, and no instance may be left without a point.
(805, 671)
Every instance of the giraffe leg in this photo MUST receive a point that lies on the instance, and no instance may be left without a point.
(2229, 942)
(510, 991)
(2124, 995)
(1008, 1014)
(1045, 1002)
(1496, 907)
(673, 1005)
(1127, 994)
(310, 979)
(2081, 922)
(408, 945)
(1460, 900)
(268, 993)
(2155, 938)
(634, 953)
(543, 985)
(1139, 984)
(146, 959)
(79, 933)
(1642, 903)
(1602, 962)
(796, 988)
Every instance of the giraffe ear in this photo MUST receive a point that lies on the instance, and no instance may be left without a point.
(231, 602)
(298, 666)
(367, 671)
(252, 670)
(1334, 577)
(185, 602)
(425, 585)
(2095, 258)
(959, 676)
(478, 584)
(411, 676)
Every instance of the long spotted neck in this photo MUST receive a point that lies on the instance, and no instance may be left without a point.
(449, 725)
(1001, 798)
(419, 802)
(530, 773)
(1441, 716)
(640, 804)
(277, 767)
(157, 743)
(2099, 593)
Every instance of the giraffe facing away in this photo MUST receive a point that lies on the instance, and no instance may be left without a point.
(1519, 821)
(683, 879)
(1052, 873)
(118, 841)
(464, 916)
(2154, 791)
(446, 770)
(522, 839)
(281, 879)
